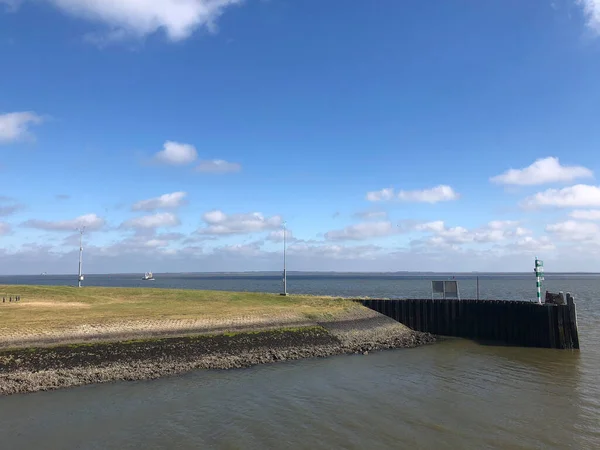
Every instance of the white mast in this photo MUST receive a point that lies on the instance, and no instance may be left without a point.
(80, 276)
(284, 260)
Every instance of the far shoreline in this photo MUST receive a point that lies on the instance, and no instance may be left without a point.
(400, 274)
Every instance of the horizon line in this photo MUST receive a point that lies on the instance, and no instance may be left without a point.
(301, 272)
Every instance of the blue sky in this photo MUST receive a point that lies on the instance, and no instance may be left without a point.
(382, 133)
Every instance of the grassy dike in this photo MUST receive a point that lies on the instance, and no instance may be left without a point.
(64, 336)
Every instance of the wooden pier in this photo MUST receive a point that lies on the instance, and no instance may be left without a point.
(518, 323)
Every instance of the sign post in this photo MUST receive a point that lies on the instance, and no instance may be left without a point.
(539, 277)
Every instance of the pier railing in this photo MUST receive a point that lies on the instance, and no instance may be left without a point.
(519, 323)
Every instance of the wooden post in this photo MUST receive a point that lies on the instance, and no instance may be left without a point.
(573, 320)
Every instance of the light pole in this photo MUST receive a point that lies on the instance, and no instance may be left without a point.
(284, 261)
(80, 276)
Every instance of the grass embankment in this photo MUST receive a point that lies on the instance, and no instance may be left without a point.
(59, 314)
(64, 336)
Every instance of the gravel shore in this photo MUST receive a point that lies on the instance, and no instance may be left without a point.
(357, 331)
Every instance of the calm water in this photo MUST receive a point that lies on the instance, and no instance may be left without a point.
(455, 394)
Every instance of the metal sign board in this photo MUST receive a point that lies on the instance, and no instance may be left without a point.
(437, 287)
(448, 288)
(451, 287)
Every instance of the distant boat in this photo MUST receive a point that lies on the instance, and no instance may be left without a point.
(44, 274)
(148, 276)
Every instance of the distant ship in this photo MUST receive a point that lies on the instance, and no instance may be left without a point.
(148, 276)
(44, 274)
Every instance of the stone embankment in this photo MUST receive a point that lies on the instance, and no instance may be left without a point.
(358, 330)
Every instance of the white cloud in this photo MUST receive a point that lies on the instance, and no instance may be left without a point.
(157, 220)
(277, 236)
(244, 250)
(145, 244)
(591, 10)
(489, 236)
(441, 193)
(171, 236)
(90, 221)
(493, 231)
(585, 214)
(572, 230)
(217, 222)
(371, 215)
(519, 231)
(542, 171)
(168, 252)
(531, 244)
(215, 216)
(362, 231)
(155, 243)
(139, 18)
(501, 224)
(176, 154)
(335, 252)
(15, 126)
(578, 196)
(382, 195)
(501, 229)
(165, 201)
(441, 235)
(218, 166)
(455, 235)
(437, 226)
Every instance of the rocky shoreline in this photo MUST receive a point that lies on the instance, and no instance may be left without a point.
(43, 368)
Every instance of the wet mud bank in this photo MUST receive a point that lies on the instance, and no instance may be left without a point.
(44, 368)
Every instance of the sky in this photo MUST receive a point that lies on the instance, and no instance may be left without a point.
(184, 135)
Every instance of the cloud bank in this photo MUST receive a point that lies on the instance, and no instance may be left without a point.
(122, 19)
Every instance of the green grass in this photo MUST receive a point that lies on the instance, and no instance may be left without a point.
(45, 309)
